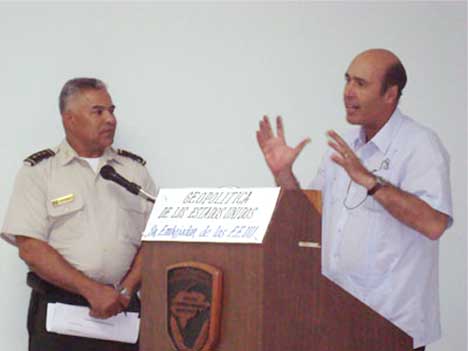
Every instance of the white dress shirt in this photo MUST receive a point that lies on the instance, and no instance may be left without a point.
(381, 261)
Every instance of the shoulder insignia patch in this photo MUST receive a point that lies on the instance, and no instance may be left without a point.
(39, 156)
(134, 157)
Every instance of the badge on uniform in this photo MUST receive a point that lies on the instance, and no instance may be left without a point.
(63, 200)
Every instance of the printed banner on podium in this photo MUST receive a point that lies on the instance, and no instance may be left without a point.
(222, 215)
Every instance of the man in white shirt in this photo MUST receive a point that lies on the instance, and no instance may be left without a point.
(386, 198)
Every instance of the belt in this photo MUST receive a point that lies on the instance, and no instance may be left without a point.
(53, 293)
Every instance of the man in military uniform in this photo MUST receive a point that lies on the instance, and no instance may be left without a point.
(79, 233)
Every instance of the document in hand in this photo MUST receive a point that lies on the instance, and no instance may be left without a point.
(75, 320)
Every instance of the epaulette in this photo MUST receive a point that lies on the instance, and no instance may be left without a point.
(37, 157)
(134, 157)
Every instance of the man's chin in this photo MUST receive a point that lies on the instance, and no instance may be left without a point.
(107, 143)
(352, 118)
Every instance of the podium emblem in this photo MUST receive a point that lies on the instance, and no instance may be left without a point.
(194, 294)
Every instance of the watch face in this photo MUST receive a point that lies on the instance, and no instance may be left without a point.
(381, 180)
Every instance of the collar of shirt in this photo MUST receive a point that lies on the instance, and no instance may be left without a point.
(384, 137)
(67, 154)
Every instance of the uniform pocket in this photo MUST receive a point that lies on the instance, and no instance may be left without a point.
(133, 216)
(66, 217)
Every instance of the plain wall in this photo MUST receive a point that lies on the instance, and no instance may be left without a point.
(191, 81)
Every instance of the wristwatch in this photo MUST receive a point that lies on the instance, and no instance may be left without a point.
(123, 291)
(379, 183)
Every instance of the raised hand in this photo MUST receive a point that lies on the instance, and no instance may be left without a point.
(278, 155)
(346, 158)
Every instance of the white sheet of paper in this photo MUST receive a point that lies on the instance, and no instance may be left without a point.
(75, 320)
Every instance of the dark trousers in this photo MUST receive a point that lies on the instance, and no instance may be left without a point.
(422, 348)
(41, 340)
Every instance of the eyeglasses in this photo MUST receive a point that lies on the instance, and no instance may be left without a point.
(385, 164)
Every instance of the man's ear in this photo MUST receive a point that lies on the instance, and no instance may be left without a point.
(391, 95)
(67, 119)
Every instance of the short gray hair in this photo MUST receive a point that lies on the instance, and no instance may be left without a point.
(76, 85)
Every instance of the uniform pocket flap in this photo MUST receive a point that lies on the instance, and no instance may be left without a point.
(64, 205)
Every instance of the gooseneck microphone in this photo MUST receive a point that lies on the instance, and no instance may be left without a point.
(109, 173)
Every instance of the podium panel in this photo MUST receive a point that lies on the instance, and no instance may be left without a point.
(274, 296)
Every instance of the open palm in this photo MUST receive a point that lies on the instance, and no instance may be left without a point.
(278, 155)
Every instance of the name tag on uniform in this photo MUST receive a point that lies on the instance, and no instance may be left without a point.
(63, 200)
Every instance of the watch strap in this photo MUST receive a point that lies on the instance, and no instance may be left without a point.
(379, 183)
(374, 189)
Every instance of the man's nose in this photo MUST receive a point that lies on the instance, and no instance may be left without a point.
(110, 117)
(349, 90)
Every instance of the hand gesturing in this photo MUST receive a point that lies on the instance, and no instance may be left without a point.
(278, 155)
(346, 158)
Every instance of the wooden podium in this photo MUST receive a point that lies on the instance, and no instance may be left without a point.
(274, 295)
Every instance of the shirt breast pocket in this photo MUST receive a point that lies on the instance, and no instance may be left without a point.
(66, 216)
(338, 187)
(133, 213)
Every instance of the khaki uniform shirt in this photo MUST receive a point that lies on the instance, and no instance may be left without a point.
(93, 223)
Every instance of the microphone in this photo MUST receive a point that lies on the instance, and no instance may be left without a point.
(109, 173)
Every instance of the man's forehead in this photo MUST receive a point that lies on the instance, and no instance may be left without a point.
(96, 97)
(366, 69)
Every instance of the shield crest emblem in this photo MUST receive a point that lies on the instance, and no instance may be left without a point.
(194, 295)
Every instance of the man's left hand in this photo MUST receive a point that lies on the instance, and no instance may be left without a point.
(346, 158)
